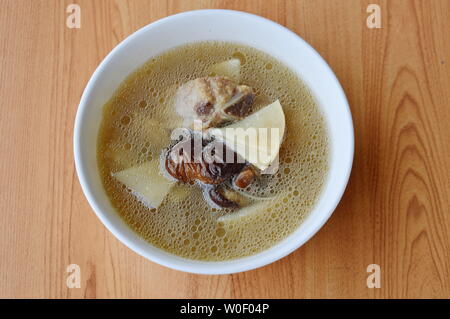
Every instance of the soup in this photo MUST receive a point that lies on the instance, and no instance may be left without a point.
(136, 130)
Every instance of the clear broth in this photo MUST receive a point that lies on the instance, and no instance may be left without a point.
(136, 126)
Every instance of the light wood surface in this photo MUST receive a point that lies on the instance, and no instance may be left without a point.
(395, 211)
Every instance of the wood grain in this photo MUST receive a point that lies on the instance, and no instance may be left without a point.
(395, 211)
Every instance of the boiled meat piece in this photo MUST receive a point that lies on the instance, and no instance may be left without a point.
(212, 101)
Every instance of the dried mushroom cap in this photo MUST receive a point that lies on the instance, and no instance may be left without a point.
(217, 196)
(245, 177)
(186, 164)
(220, 196)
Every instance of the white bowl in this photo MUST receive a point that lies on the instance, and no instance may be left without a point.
(222, 25)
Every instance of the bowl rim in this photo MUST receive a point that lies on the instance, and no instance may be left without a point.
(184, 264)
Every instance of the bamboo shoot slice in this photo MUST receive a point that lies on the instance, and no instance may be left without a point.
(230, 68)
(146, 182)
(261, 147)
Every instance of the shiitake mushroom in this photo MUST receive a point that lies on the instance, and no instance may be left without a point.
(208, 165)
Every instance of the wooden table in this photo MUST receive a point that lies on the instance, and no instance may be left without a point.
(395, 212)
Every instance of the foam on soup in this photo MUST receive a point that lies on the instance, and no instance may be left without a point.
(136, 126)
